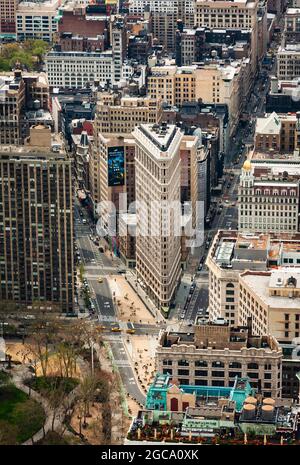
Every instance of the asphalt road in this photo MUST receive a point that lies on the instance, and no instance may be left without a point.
(125, 369)
(97, 265)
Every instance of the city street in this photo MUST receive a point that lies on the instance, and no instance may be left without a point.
(193, 295)
(96, 265)
(121, 359)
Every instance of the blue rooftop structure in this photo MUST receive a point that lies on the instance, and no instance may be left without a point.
(157, 393)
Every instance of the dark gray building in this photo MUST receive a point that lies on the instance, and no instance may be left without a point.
(36, 223)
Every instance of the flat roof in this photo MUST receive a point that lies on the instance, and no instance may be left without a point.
(260, 282)
(160, 135)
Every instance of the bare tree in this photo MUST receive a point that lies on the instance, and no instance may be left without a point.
(87, 391)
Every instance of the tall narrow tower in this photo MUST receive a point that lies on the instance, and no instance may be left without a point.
(158, 242)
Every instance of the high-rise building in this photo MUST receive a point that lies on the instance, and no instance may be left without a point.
(77, 69)
(12, 103)
(184, 9)
(36, 222)
(116, 117)
(80, 31)
(118, 44)
(212, 83)
(8, 17)
(288, 61)
(224, 14)
(277, 133)
(119, 115)
(292, 25)
(158, 249)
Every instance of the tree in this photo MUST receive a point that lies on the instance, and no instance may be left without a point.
(106, 422)
(87, 390)
(41, 340)
(56, 396)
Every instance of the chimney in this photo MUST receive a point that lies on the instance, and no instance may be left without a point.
(249, 326)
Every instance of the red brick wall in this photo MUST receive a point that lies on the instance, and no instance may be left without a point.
(77, 24)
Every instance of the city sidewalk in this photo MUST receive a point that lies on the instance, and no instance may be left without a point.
(181, 295)
(128, 304)
(131, 279)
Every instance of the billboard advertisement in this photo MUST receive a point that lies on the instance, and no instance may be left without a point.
(116, 166)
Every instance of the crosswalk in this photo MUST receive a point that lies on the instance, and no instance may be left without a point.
(107, 318)
(122, 363)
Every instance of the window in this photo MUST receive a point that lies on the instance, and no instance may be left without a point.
(183, 372)
(235, 365)
(167, 371)
(217, 364)
(200, 363)
(217, 382)
(252, 366)
(217, 374)
(200, 373)
(183, 363)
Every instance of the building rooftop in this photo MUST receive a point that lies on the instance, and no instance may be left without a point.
(272, 156)
(270, 124)
(43, 6)
(288, 49)
(292, 11)
(161, 136)
(216, 336)
(261, 283)
(259, 251)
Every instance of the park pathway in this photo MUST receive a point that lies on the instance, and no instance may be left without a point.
(19, 374)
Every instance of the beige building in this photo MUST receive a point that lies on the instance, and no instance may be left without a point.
(288, 62)
(18, 92)
(213, 83)
(115, 119)
(234, 14)
(232, 253)
(37, 20)
(213, 354)
(268, 194)
(157, 174)
(272, 300)
(119, 115)
(12, 102)
(292, 24)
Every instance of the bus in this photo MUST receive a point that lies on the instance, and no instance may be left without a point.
(130, 328)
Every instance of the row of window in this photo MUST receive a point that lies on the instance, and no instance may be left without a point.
(219, 364)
